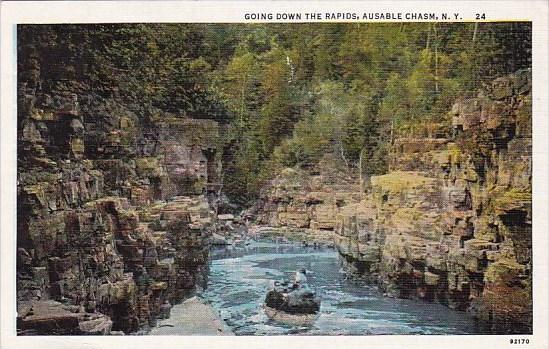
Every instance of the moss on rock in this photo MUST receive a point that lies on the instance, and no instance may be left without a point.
(502, 271)
(397, 181)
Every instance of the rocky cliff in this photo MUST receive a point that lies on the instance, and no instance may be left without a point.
(450, 222)
(298, 199)
(114, 209)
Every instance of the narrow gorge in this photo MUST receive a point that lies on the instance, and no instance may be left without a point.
(450, 222)
(142, 149)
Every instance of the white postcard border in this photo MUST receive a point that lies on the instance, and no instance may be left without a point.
(233, 11)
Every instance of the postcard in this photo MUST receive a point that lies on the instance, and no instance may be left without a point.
(274, 174)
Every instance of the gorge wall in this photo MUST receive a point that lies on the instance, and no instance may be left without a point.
(450, 222)
(301, 200)
(114, 211)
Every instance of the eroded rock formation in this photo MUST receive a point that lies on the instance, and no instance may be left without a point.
(297, 199)
(113, 212)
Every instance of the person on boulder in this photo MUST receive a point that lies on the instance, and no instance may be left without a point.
(300, 278)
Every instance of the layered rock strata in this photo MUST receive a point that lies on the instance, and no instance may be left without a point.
(452, 221)
(296, 199)
(114, 213)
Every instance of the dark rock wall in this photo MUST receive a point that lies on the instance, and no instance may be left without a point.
(113, 216)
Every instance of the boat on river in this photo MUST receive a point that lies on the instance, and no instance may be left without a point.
(292, 303)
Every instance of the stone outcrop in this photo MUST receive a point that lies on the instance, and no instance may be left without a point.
(296, 199)
(54, 318)
(114, 211)
(452, 220)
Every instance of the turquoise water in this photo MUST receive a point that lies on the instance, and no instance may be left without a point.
(240, 277)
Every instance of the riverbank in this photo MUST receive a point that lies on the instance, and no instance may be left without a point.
(193, 317)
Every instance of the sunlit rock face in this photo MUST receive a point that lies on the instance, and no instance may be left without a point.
(452, 220)
(297, 199)
(113, 220)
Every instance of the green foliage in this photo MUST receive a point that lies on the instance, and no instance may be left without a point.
(290, 93)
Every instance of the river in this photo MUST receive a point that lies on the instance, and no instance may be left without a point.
(240, 277)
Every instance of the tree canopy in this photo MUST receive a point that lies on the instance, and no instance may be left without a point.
(289, 93)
